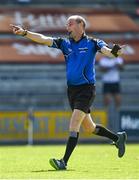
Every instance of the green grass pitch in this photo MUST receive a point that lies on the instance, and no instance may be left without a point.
(87, 162)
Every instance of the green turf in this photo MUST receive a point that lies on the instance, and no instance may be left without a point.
(87, 162)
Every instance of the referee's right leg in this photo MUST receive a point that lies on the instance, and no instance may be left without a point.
(75, 123)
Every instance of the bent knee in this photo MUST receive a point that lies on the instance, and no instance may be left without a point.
(89, 129)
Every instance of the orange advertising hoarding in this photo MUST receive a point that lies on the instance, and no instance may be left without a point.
(54, 20)
(26, 52)
(22, 52)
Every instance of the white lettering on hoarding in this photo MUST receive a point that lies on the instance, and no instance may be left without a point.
(128, 49)
(36, 50)
(128, 122)
(42, 22)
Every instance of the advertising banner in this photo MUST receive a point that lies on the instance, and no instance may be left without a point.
(13, 126)
(54, 20)
(129, 122)
(20, 51)
(47, 126)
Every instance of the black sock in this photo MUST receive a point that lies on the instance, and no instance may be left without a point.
(102, 131)
(71, 144)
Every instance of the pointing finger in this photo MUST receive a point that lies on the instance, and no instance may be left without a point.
(14, 26)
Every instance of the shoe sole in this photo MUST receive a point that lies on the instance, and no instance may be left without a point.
(124, 139)
(52, 163)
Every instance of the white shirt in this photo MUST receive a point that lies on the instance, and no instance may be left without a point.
(112, 75)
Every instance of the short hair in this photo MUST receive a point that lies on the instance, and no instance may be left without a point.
(78, 19)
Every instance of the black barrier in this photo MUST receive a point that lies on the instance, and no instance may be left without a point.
(129, 122)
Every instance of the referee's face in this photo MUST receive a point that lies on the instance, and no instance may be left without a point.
(74, 28)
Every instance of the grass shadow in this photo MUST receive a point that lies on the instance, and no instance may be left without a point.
(50, 170)
(39, 171)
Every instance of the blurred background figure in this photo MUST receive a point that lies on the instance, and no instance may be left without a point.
(110, 68)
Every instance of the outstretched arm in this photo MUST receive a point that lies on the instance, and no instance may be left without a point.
(39, 38)
(114, 52)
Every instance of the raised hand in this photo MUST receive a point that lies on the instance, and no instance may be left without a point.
(122, 50)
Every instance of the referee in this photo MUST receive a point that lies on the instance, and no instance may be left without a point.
(79, 51)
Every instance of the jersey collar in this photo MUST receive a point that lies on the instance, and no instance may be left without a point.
(82, 37)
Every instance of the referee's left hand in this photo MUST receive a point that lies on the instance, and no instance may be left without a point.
(122, 50)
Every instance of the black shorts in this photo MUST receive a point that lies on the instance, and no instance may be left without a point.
(113, 88)
(81, 97)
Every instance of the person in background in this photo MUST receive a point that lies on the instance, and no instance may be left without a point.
(110, 68)
(79, 51)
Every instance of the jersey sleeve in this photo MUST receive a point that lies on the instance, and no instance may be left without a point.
(57, 43)
(100, 44)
